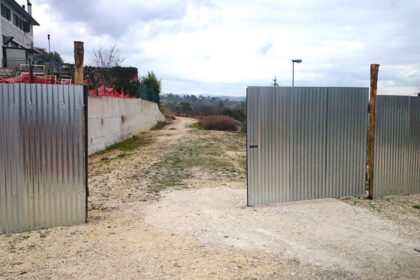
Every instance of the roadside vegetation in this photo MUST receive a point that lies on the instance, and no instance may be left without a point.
(106, 160)
(217, 122)
(129, 144)
(207, 106)
(160, 125)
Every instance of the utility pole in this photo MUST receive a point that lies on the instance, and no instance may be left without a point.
(374, 69)
(78, 62)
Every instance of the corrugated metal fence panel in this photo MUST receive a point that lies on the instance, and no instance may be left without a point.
(413, 170)
(307, 146)
(10, 164)
(42, 166)
(346, 141)
(311, 143)
(397, 146)
(269, 128)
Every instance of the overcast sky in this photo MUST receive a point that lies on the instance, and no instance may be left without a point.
(220, 47)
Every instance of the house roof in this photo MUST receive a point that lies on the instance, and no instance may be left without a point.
(19, 8)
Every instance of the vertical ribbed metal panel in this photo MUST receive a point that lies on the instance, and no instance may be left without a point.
(42, 167)
(311, 143)
(397, 146)
(269, 128)
(413, 169)
(346, 141)
(308, 142)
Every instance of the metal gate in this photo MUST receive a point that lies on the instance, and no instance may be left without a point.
(397, 146)
(305, 143)
(42, 156)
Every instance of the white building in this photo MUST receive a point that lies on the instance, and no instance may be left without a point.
(16, 27)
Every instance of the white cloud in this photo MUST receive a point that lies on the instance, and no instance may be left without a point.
(220, 47)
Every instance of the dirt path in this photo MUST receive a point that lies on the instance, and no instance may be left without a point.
(135, 233)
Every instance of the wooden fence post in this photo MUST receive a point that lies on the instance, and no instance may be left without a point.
(78, 80)
(374, 69)
(78, 62)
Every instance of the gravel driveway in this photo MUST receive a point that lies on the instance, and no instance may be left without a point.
(326, 233)
(170, 204)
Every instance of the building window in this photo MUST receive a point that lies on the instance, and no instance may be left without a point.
(23, 25)
(5, 12)
(18, 22)
(26, 27)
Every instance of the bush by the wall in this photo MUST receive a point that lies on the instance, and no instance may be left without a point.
(166, 111)
(217, 122)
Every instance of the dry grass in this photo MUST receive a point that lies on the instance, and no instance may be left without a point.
(217, 122)
(161, 125)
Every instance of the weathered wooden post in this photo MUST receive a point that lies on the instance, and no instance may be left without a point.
(374, 69)
(78, 80)
(78, 62)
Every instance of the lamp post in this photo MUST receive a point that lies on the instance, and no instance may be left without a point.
(49, 52)
(293, 69)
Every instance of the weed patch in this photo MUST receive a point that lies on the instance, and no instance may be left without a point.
(129, 144)
(194, 126)
(160, 125)
(206, 154)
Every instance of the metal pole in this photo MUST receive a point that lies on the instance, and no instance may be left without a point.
(31, 70)
(293, 73)
(49, 51)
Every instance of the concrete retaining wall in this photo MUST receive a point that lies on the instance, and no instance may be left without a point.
(114, 119)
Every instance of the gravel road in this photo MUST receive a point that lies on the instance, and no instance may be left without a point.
(173, 207)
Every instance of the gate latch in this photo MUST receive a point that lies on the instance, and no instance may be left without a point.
(253, 146)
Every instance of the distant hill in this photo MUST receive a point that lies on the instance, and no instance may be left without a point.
(230, 98)
(222, 97)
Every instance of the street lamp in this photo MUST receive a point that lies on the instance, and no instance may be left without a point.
(49, 53)
(293, 69)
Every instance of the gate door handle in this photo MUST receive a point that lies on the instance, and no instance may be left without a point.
(253, 146)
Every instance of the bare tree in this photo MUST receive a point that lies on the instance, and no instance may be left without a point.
(106, 57)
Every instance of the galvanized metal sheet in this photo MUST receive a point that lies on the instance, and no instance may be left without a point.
(413, 162)
(397, 146)
(308, 143)
(42, 165)
(346, 141)
(268, 130)
(305, 143)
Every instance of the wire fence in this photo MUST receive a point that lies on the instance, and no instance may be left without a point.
(147, 93)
